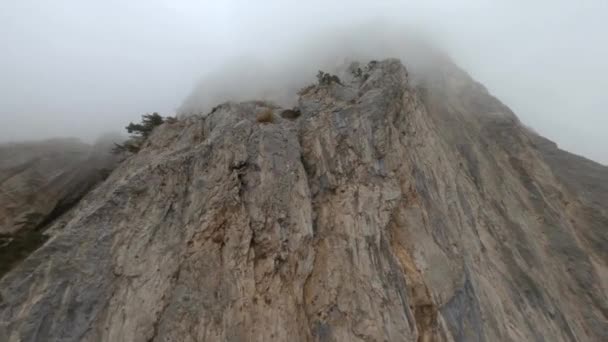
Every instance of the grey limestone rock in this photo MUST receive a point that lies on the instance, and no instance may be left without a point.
(385, 211)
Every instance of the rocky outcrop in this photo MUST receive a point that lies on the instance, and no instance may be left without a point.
(387, 210)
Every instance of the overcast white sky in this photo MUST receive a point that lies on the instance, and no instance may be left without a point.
(82, 67)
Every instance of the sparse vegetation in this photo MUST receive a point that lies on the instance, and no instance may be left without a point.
(140, 132)
(306, 89)
(30, 220)
(265, 116)
(363, 74)
(16, 246)
(291, 114)
(355, 69)
(325, 78)
(214, 109)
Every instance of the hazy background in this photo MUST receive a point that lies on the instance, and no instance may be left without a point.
(83, 67)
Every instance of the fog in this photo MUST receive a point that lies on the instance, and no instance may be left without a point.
(81, 67)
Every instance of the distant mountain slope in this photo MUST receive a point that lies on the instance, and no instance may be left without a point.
(30, 173)
(40, 181)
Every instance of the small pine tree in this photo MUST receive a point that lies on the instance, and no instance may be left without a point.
(139, 133)
(147, 125)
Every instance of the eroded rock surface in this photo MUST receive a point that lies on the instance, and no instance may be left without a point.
(383, 212)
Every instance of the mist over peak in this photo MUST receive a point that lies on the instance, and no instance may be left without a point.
(78, 69)
(278, 76)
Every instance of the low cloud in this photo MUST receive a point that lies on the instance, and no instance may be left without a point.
(76, 68)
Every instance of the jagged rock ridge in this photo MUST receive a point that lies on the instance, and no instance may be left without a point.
(384, 212)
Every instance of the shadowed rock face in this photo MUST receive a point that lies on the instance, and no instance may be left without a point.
(384, 212)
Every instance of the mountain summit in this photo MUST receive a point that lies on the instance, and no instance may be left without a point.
(383, 207)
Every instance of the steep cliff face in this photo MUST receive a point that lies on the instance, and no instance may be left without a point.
(383, 212)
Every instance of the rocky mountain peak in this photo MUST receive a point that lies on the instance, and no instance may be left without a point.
(383, 207)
